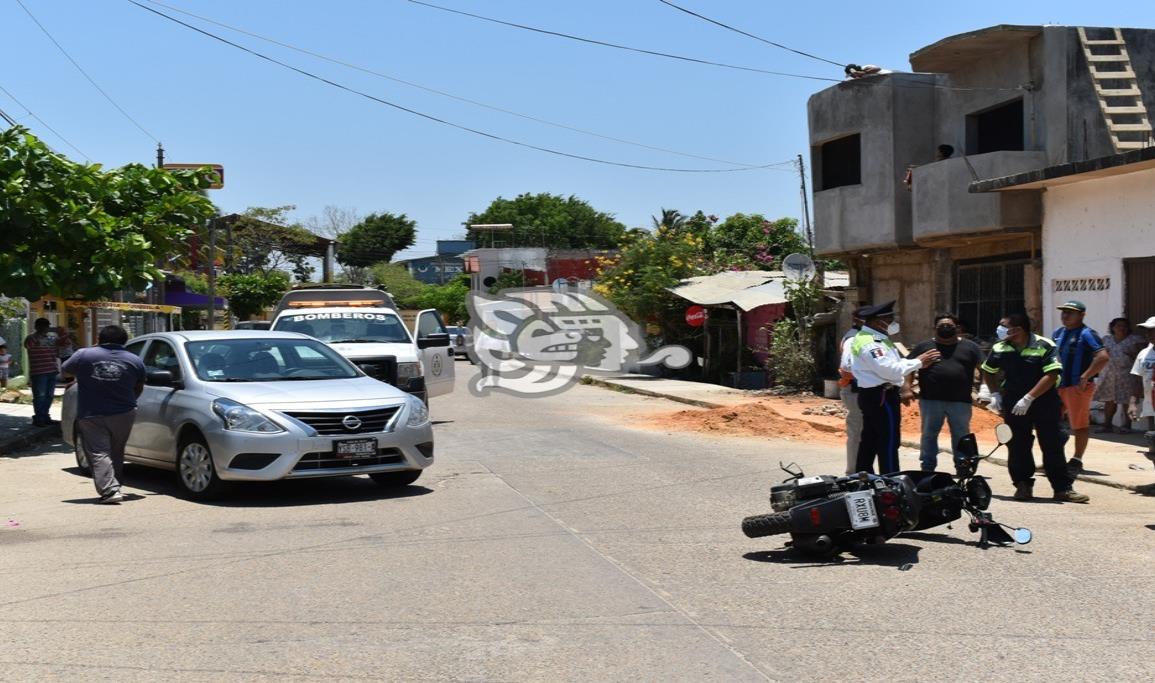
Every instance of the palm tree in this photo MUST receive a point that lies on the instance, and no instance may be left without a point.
(671, 218)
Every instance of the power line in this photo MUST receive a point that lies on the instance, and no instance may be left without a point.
(43, 123)
(748, 35)
(85, 73)
(603, 43)
(446, 94)
(430, 117)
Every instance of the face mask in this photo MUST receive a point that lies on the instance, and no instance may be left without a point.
(946, 331)
(1001, 332)
(893, 328)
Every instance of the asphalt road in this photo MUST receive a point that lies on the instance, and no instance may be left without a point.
(552, 540)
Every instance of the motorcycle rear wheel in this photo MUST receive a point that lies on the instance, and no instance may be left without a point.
(774, 523)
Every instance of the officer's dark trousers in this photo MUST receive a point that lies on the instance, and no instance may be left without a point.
(881, 429)
(1020, 461)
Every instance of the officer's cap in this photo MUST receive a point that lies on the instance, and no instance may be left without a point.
(876, 311)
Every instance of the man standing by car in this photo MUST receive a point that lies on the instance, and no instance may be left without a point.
(944, 388)
(1083, 356)
(879, 369)
(109, 379)
(1030, 403)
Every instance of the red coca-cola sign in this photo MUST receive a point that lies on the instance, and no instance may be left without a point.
(695, 316)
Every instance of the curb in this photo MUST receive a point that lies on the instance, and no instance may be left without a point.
(28, 438)
(1102, 481)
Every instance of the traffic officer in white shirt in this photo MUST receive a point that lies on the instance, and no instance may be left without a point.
(879, 370)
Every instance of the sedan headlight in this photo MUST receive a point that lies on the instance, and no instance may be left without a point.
(418, 413)
(238, 417)
(407, 371)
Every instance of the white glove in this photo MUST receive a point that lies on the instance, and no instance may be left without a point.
(984, 393)
(1023, 405)
(996, 404)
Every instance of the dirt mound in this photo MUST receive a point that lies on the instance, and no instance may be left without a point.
(798, 418)
(748, 419)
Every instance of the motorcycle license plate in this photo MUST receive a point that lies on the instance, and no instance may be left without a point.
(355, 448)
(860, 504)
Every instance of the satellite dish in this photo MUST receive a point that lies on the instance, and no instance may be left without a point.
(798, 267)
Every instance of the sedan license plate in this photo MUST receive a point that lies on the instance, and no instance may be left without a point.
(355, 448)
(860, 504)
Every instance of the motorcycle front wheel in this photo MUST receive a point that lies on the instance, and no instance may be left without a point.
(758, 526)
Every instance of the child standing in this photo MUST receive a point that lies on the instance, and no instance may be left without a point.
(5, 361)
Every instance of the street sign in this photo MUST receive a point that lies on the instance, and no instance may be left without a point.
(217, 184)
(695, 316)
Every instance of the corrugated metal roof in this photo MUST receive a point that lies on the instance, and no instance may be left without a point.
(746, 289)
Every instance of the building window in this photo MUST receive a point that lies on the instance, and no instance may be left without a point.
(1139, 285)
(840, 163)
(985, 292)
(996, 129)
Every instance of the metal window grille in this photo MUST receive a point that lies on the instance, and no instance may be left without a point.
(985, 292)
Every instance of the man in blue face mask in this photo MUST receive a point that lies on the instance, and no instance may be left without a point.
(879, 370)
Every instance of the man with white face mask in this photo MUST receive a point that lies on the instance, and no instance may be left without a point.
(879, 369)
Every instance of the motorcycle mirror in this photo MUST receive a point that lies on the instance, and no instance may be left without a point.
(1022, 536)
(1003, 433)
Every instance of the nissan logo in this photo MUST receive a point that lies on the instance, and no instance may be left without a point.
(351, 422)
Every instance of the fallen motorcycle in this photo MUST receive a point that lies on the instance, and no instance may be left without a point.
(826, 514)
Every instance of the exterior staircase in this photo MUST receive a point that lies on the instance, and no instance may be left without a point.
(1120, 98)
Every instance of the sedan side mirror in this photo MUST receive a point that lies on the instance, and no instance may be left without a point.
(161, 378)
(433, 340)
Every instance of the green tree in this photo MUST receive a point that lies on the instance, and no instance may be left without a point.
(448, 298)
(266, 239)
(549, 220)
(76, 230)
(638, 279)
(405, 289)
(376, 239)
(671, 219)
(751, 241)
(250, 293)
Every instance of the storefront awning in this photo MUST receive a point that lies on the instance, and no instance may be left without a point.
(746, 289)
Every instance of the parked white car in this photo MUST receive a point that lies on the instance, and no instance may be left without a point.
(223, 406)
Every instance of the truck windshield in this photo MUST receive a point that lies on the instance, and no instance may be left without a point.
(348, 328)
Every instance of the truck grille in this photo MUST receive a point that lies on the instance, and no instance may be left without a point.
(334, 423)
(326, 460)
(382, 368)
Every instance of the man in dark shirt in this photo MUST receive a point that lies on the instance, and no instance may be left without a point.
(944, 388)
(1029, 402)
(109, 379)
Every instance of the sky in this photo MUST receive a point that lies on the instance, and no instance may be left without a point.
(285, 138)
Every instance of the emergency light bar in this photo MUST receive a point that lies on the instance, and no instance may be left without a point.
(336, 304)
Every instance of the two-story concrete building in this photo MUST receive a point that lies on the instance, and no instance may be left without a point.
(1007, 100)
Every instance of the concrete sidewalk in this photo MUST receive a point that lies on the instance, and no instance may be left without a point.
(1112, 459)
(16, 430)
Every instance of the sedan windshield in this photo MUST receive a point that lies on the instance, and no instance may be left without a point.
(266, 360)
(347, 328)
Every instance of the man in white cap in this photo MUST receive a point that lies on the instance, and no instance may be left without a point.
(879, 370)
(1141, 406)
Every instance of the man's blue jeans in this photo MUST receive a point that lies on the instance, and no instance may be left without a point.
(958, 416)
(43, 389)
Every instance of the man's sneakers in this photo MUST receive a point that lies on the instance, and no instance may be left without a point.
(1024, 491)
(113, 498)
(1072, 496)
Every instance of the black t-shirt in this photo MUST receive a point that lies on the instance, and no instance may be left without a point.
(951, 378)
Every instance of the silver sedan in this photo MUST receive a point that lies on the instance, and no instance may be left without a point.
(261, 406)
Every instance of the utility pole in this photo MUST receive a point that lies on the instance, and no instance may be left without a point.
(805, 206)
(159, 155)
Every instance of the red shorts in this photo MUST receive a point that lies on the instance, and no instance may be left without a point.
(1077, 404)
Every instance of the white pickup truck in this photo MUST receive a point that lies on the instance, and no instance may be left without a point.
(363, 325)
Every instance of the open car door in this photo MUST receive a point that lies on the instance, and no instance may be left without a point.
(434, 349)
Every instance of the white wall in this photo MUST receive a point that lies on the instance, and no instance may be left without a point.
(1089, 227)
